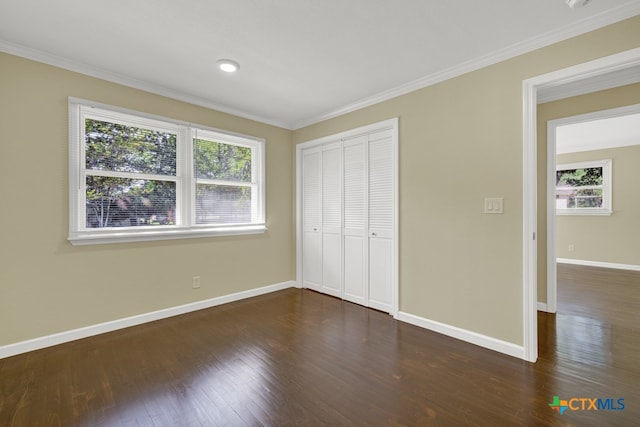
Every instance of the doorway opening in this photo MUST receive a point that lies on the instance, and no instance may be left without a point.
(584, 78)
(584, 134)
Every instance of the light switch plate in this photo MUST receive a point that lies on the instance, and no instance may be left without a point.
(493, 205)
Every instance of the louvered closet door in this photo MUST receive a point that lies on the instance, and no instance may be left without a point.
(332, 219)
(355, 220)
(380, 221)
(312, 219)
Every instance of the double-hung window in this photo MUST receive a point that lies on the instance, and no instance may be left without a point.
(584, 188)
(136, 177)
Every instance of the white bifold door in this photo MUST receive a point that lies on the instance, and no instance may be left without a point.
(322, 218)
(368, 220)
(348, 197)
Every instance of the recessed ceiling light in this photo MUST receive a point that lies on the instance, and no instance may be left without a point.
(576, 3)
(228, 66)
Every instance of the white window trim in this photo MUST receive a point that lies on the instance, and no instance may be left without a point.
(185, 226)
(607, 188)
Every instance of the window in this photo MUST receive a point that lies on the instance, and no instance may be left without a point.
(584, 188)
(138, 177)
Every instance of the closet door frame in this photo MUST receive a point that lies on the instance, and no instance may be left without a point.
(390, 124)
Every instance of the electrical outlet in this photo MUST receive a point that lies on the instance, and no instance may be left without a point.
(572, 248)
(195, 284)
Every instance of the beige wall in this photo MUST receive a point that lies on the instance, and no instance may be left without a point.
(49, 286)
(614, 238)
(461, 141)
(603, 100)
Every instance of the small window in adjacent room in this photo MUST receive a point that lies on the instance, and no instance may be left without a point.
(584, 188)
(137, 177)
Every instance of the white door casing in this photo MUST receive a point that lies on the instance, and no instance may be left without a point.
(594, 74)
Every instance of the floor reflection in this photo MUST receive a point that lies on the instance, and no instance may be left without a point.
(583, 339)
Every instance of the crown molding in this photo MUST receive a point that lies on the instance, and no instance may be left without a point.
(586, 25)
(110, 76)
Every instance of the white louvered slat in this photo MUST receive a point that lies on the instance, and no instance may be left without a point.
(312, 189)
(331, 190)
(354, 186)
(381, 184)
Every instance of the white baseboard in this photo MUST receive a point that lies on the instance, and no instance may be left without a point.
(465, 335)
(598, 264)
(100, 328)
(542, 306)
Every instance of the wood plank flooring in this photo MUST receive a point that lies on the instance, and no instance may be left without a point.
(296, 357)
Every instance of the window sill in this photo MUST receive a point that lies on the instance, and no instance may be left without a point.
(116, 236)
(584, 212)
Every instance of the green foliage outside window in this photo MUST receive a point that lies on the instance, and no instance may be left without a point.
(145, 201)
(126, 202)
(580, 188)
(579, 177)
(220, 162)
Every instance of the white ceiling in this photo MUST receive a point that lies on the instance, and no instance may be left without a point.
(599, 134)
(301, 60)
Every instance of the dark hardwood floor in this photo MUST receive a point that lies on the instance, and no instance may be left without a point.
(296, 357)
